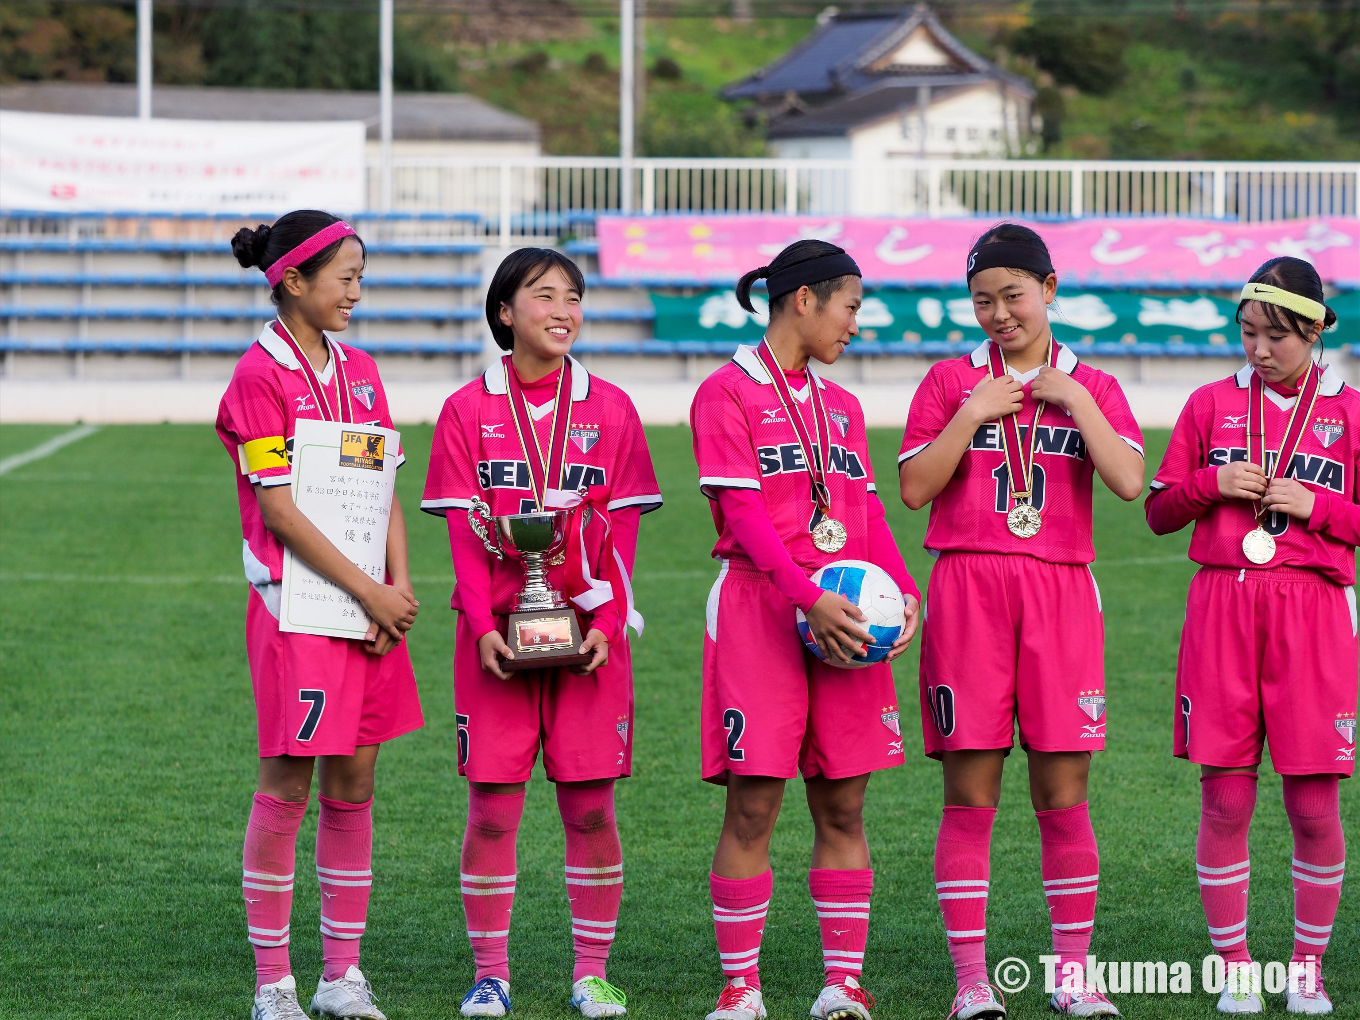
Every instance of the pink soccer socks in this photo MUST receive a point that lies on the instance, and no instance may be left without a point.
(841, 899)
(1070, 865)
(739, 909)
(1222, 861)
(1313, 806)
(267, 882)
(488, 878)
(962, 873)
(594, 873)
(344, 861)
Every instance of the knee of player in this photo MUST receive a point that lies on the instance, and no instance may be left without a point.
(752, 822)
(844, 820)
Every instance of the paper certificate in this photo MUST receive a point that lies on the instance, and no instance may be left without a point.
(343, 478)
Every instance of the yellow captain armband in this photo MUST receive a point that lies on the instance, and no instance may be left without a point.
(262, 455)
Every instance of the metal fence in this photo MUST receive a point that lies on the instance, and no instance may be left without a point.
(559, 195)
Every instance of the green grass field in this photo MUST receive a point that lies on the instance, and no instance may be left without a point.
(127, 747)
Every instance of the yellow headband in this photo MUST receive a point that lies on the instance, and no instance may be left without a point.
(1313, 311)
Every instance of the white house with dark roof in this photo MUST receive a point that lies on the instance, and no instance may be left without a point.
(871, 87)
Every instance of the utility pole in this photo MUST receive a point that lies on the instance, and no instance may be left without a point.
(626, 55)
(385, 103)
(144, 59)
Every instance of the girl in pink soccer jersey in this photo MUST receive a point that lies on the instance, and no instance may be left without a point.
(316, 697)
(1003, 444)
(1264, 463)
(783, 458)
(532, 432)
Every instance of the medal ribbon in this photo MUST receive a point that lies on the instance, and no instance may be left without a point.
(1293, 432)
(542, 478)
(1018, 466)
(320, 394)
(816, 458)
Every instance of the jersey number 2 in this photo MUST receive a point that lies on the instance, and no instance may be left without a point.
(1003, 488)
(318, 700)
(735, 725)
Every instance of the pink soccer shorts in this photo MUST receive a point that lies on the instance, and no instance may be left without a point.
(322, 695)
(1268, 655)
(583, 723)
(1009, 639)
(770, 708)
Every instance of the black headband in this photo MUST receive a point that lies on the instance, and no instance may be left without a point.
(824, 267)
(1009, 255)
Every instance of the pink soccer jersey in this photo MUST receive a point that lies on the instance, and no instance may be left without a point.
(744, 440)
(476, 453)
(970, 513)
(1212, 431)
(267, 394)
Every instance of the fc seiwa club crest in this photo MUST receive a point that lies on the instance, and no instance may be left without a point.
(893, 720)
(364, 393)
(584, 436)
(1092, 703)
(1345, 725)
(1328, 430)
(842, 421)
(621, 727)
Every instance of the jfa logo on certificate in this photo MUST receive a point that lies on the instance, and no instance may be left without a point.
(361, 450)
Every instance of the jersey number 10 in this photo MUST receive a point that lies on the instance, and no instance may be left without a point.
(1003, 488)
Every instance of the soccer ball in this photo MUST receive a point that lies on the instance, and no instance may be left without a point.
(877, 596)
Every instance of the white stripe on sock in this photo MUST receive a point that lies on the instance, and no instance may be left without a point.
(1224, 943)
(348, 936)
(863, 914)
(1318, 929)
(741, 910)
(1073, 926)
(977, 934)
(599, 936)
(1204, 869)
(843, 953)
(962, 895)
(737, 919)
(343, 924)
(268, 888)
(273, 932)
(470, 891)
(1070, 892)
(366, 873)
(1071, 881)
(594, 881)
(840, 904)
(1303, 876)
(265, 877)
(488, 934)
(594, 924)
(1224, 881)
(486, 879)
(1311, 940)
(611, 869)
(266, 943)
(1226, 929)
(358, 883)
(740, 956)
(958, 883)
(1321, 869)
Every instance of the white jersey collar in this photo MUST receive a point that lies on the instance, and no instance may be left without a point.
(749, 362)
(1067, 361)
(277, 348)
(493, 379)
(1331, 385)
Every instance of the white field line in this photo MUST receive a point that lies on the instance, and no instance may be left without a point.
(46, 449)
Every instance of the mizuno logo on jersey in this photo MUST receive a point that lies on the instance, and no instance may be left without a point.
(1055, 441)
(514, 474)
(788, 459)
(1307, 467)
(772, 416)
(493, 431)
(1234, 421)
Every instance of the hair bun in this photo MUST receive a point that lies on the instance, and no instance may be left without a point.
(763, 273)
(249, 246)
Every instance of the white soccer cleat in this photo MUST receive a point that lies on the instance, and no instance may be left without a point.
(278, 1002)
(1240, 1000)
(842, 1002)
(488, 997)
(1314, 1002)
(350, 997)
(739, 1002)
(977, 1001)
(1082, 1002)
(597, 997)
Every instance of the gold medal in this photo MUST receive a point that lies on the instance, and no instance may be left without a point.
(1259, 546)
(1024, 521)
(829, 535)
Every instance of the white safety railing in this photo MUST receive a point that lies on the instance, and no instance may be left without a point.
(553, 195)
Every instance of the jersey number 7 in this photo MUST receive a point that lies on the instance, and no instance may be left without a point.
(318, 701)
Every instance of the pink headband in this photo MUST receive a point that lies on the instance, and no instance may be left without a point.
(308, 248)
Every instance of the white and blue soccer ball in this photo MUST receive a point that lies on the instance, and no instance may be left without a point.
(878, 598)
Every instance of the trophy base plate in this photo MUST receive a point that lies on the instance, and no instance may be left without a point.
(544, 639)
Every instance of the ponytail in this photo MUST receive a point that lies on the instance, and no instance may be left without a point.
(818, 265)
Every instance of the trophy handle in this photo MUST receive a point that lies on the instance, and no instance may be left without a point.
(482, 527)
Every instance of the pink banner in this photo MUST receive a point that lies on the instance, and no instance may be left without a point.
(1141, 252)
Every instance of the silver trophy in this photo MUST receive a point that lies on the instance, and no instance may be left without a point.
(543, 630)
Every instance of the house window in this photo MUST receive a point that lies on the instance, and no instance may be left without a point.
(973, 134)
(951, 133)
(994, 134)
